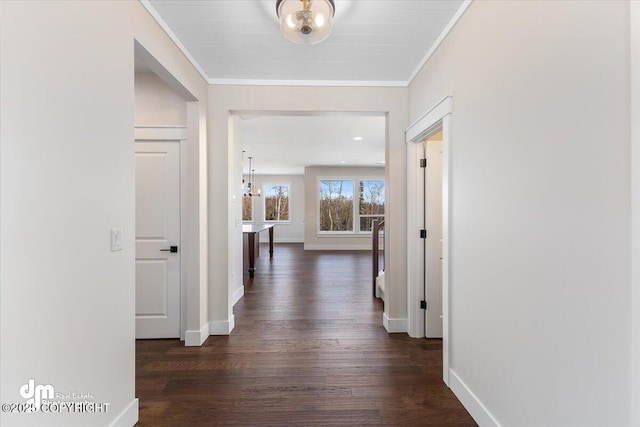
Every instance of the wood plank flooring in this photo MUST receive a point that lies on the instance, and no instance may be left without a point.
(308, 349)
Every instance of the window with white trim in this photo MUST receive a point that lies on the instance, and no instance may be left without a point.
(339, 213)
(276, 202)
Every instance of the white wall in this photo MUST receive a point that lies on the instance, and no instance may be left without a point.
(312, 239)
(540, 181)
(228, 99)
(67, 178)
(157, 104)
(284, 232)
(634, 19)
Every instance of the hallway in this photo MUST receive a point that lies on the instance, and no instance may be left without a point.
(308, 348)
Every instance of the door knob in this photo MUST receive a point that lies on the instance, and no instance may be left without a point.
(172, 249)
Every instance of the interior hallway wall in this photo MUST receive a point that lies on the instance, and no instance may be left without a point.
(540, 209)
(66, 179)
(157, 104)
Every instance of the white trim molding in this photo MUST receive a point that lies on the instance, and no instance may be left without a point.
(307, 83)
(195, 338)
(443, 35)
(237, 295)
(155, 15)
(438, 117)
(470, 401)
(222, 327)
(338, 247)
(324, 83)
(394, 325)
(128, 417)
(265, 239)
(429, 120)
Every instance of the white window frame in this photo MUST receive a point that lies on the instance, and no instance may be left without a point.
(356, 232)
(357, 208)
(264, 201)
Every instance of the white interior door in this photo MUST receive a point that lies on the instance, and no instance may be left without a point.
(157, 230)
(433, 257)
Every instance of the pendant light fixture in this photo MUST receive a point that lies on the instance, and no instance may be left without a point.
(305, 21)
(250, 189)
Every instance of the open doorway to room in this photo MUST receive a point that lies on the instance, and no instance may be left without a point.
(432, 224)
(428, 226)
(162, 115)
(319, 180)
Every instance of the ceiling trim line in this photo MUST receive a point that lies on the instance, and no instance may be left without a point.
(324, 83)
(443, 35)
(156, 16)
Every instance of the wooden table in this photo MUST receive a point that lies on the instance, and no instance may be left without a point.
(253, 249)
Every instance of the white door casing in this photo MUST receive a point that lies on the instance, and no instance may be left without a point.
(158, 270)
(433, 255)
(438, 117)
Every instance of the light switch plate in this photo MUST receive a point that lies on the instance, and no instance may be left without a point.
(116, 239)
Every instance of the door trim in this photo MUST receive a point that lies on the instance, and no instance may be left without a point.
(174, 133)
(438, 117)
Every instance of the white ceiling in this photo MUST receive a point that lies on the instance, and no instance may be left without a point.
(376, 41)
(284, 145)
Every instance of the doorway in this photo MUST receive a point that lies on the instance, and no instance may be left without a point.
(158, 264)
(432, 220)
(434, 126)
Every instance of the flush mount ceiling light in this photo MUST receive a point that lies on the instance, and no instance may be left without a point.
(305, 21)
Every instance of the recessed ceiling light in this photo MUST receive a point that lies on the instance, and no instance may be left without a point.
(343, 161)
(357, 138)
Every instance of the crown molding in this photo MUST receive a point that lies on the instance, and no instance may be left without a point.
(324, 83)
(155, 15)
(443, 35)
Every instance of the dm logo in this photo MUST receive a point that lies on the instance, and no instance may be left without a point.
(35, 394)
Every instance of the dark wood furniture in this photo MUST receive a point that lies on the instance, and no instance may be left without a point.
(253, 249)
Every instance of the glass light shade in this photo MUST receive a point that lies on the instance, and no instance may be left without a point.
(305, 26)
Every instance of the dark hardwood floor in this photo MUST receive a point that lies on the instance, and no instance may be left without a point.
(308, 349)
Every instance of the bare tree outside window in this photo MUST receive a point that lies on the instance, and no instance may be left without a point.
(247, 208)
(336, 205)
(371, 202)
(276, 202)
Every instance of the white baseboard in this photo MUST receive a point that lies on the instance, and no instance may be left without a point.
(284, 240)
(394, 325)
(337, 247)
(237, 295)
(471, 402)
(195, 338)
(128, 417)
(222, 327)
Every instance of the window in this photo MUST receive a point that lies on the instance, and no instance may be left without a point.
(338, 212)
(247, 208)
(336, 205)
(371, 202)
(276, 202)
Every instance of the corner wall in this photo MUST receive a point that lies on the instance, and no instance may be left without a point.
(67, 175)
(540, 210)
